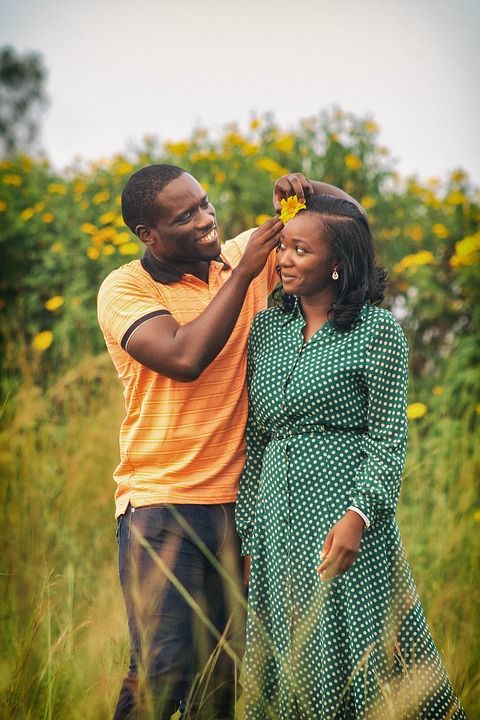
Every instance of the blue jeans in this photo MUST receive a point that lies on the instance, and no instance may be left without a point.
(168, 559)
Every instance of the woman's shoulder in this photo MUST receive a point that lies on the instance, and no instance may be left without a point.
(382, 322)
(266, 321)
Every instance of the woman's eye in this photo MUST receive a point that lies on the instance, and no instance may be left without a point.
(300, 251)
(280, 246)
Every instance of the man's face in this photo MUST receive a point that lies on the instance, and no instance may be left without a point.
(186, 228)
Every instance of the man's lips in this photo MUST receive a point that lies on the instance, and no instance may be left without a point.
(209, 238)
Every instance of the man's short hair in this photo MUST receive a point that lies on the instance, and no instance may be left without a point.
(139, 196)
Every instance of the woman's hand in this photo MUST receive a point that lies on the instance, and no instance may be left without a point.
(341, 545)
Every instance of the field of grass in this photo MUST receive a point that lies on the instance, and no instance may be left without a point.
(64, 643)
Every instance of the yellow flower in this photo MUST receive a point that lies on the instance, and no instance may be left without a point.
(285, 143)
(93, 253)
(42, 340)
(27, 214)
(3, 205)
(255, 123)
(121, 238)
(415, 232)
(438, 390)
(108, 250)
(130, 248)
(290, 207)
(57, 247)
(88, 228)
(178, 148)
(440, 230)
(57, 188)
(271, 166)
(371, 126)
(39, 206)
(411, 262)
(250, 148)
(416, 410)
(48, 217)
(458, 176)
(233, 139)
(107, 217)
(12, 180)
(79, 186)
(260, 219)
(101, 197)
(476, 515)
(220, 177)
(467, 251)
(456, 197)
(368, 202)
(119, 221)
(54, 303)
(353, 162)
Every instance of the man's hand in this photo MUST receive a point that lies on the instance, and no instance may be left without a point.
(299, 185)
(259, 247)
(292, 184)
(341, 546)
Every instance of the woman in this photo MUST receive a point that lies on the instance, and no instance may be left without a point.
(335, 627)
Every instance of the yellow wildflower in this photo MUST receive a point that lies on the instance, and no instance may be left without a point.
(108, 250)
(11, 179)
(39, 206)
(42, 340)
(107, 217)
(250, 148)
(476, 515)
(411, 262)
(371, 126)
(119, 221)
(130, 248)
(416, 410)
(93, 253)
(414, 232)
(456, 197)
(3, 205)
(88, 228)
(48, 217)
(57, 188)
(290, 207)
(121, 238)
(118, 200)
(233, 139)
(101, 197)
(467, 251)
(458, 176)
(27, 214)
(220, 177)
(271, 166)
(79, 186)
(260, 219)
(353, 162)
(178, 148)
(368, 202)
(54, 303)
(438, 390)
(255, 123)
(440, 231)
(123, 167)
(285, 143)
(57, 247)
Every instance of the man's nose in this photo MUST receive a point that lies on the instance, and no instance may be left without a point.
(205, 217)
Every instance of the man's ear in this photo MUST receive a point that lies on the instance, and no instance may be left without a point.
(144, 233)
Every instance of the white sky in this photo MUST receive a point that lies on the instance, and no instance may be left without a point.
(120, 69)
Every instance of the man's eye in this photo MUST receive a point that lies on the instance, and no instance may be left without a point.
(205, 203)
(185, 217)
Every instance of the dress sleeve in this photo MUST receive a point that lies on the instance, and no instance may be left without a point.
(377, 481)
(257, 438)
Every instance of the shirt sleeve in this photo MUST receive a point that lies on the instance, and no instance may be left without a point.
(257, 438)
(377, 481)
(125, 303)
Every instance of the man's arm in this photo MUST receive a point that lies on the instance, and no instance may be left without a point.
(182, 352)
(297, 184)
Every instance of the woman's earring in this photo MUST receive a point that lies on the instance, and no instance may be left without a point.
(335, 274)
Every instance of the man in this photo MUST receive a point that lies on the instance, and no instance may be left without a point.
(176, 326)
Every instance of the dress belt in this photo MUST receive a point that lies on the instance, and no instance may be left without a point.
(283, 433)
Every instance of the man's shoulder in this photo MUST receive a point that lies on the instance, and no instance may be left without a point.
(128, 274)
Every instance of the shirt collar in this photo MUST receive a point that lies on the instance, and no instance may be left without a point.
(165, 273)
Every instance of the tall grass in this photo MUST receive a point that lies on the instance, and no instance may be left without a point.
(64, 645)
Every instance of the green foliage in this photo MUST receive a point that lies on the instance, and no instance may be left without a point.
(22, 99)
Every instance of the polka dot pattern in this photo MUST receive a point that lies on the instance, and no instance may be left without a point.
(327, 429)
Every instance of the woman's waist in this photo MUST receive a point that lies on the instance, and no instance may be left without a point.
(289, 431)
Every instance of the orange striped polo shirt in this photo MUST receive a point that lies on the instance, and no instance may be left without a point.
(180, 442)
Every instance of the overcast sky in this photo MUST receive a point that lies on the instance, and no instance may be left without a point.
(120, 69)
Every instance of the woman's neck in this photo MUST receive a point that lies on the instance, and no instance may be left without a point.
(315, 310)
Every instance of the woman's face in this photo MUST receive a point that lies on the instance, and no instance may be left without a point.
(304, 257)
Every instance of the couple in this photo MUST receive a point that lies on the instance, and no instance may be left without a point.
(326, 433)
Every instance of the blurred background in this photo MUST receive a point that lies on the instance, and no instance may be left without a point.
(380, 98)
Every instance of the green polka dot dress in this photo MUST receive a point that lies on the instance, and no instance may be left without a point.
(327, 430)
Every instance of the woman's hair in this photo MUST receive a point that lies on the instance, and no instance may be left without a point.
(360, 279)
